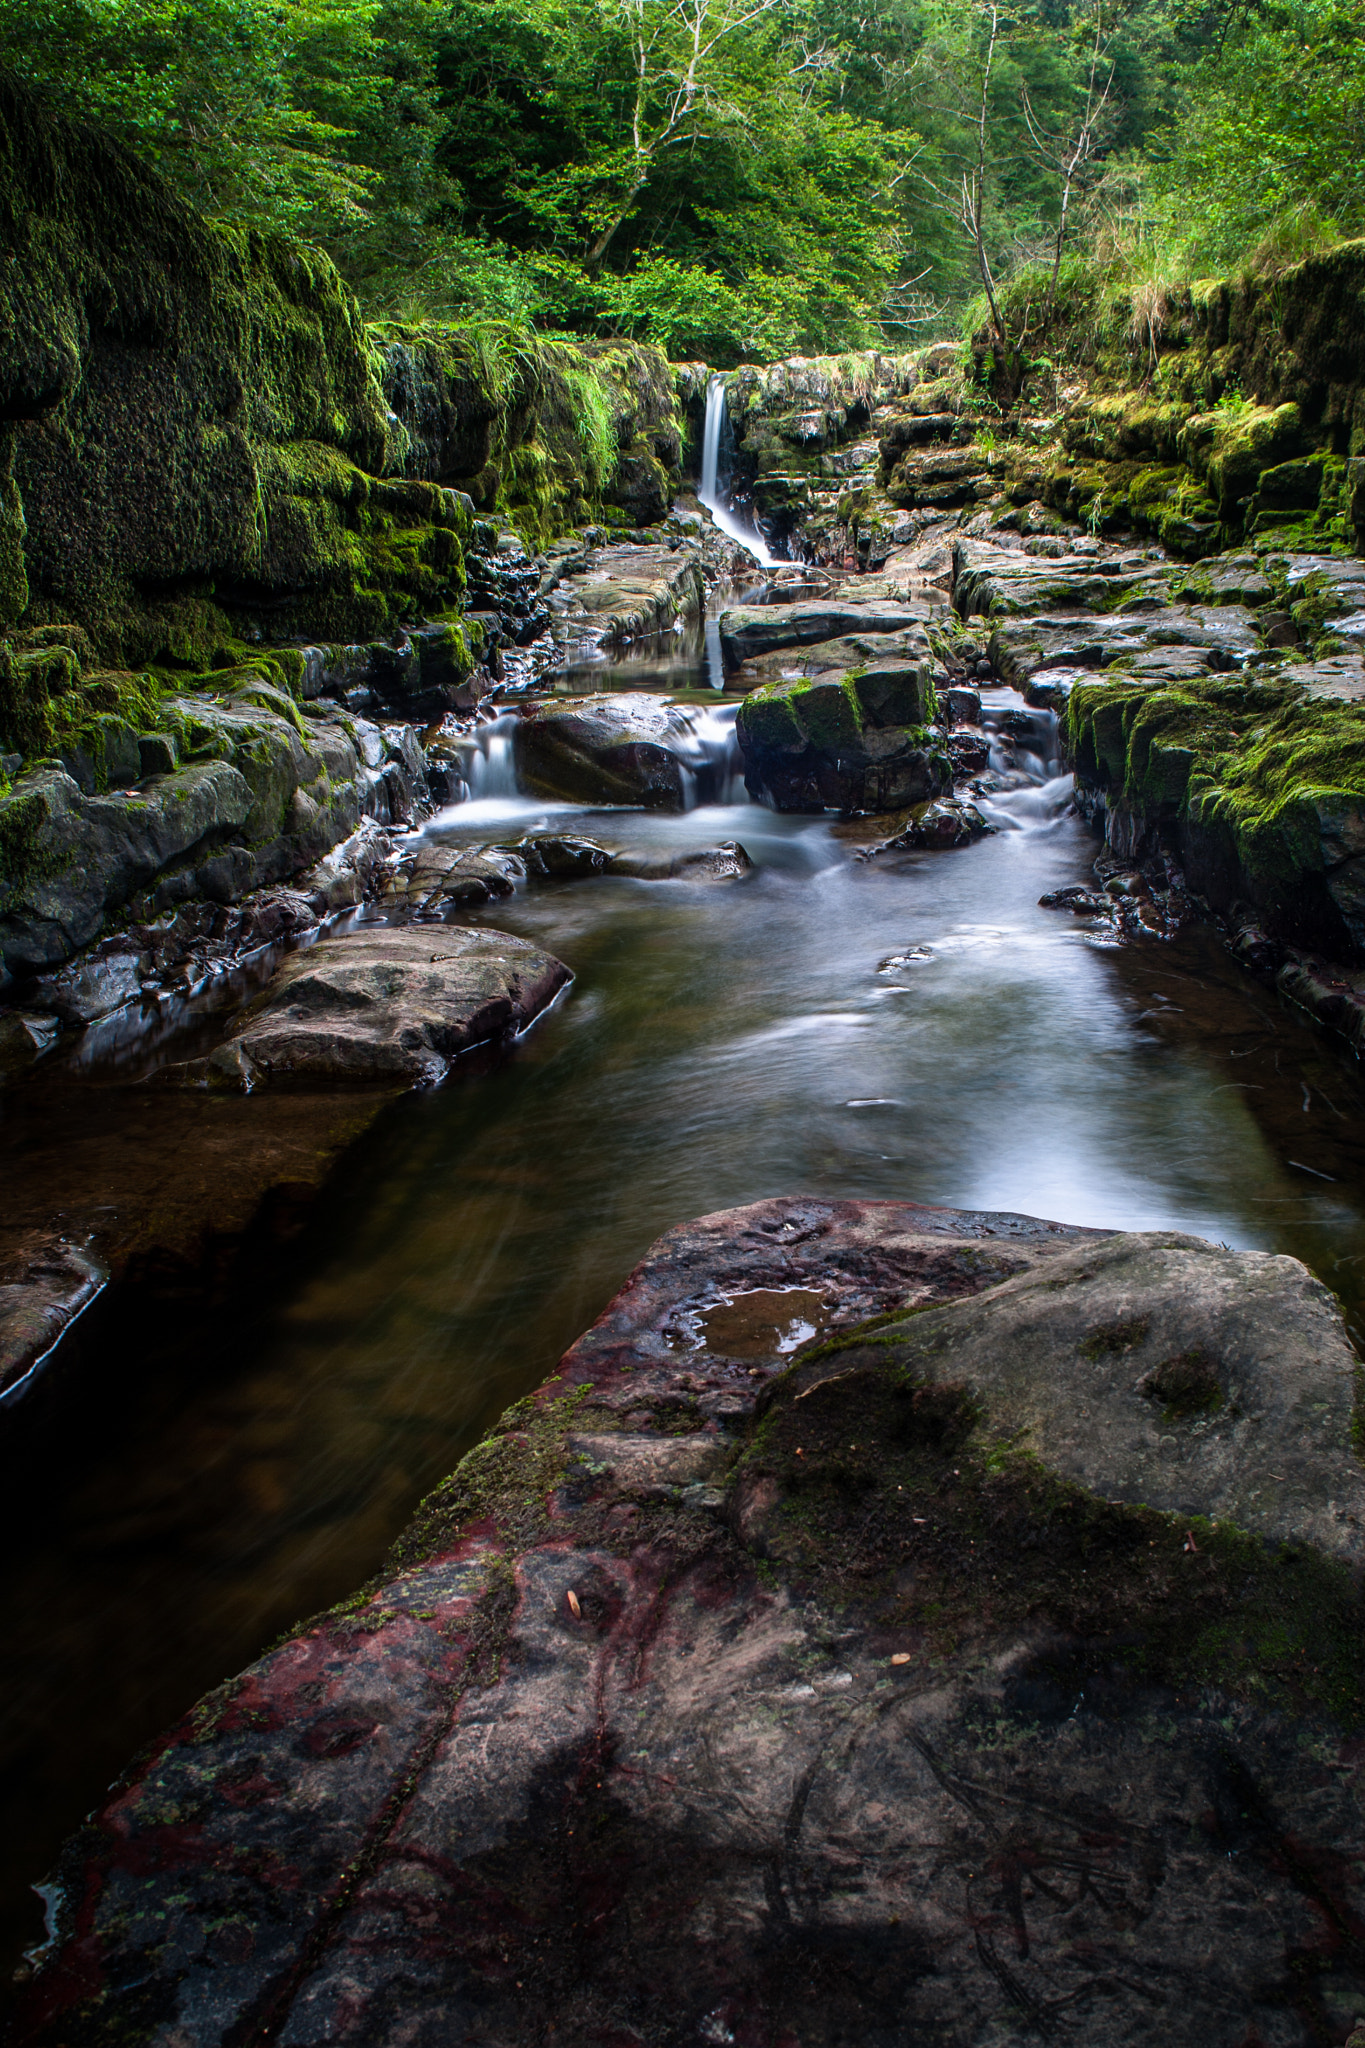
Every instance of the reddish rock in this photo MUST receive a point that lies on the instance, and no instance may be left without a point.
(745, 1687)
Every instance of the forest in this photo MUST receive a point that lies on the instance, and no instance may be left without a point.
(737, 179)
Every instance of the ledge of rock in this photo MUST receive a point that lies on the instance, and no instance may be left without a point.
(752, 630)
(46, 1285)
(383, 1005)
(797, 1667)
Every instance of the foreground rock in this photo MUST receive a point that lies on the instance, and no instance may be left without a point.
(864, 1700)
(387, 1005)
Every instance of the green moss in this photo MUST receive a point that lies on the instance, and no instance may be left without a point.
(501, 1487)
(1256, 765)
(792, 715)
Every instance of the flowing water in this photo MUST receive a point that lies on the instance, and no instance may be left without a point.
(914, 1027)
(715, 458)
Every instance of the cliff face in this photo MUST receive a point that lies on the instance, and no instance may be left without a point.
(194, 433)
(222, 497)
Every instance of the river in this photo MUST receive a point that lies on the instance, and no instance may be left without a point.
(913, 1027)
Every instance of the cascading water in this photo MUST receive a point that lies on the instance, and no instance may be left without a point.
(486, 760)
(709, 492)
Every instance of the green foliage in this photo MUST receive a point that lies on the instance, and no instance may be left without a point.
(740, 179)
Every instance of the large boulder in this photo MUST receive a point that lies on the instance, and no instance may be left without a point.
(627, 749)
(384, 1005)
(855, 741)
(805, 1661)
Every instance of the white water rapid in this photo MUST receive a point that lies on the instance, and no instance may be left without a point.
(709, 492)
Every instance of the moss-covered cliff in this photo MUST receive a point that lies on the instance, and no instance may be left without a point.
(210, 467)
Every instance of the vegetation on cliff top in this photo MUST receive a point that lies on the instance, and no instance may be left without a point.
(732, 178)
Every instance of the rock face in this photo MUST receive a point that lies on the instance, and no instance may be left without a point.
(388, 1005)
(628, 749)
(847, 741)
(607, 597)
(256, 789)
(721, 1695)
(1256, 782)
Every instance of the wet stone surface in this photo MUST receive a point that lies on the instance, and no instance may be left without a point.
(717, 1697)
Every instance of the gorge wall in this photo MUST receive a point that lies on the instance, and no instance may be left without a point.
(223, 499)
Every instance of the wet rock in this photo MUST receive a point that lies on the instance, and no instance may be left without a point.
(24, 1037)
(563, 857)
(1001, 582)
(1160, 1369)
(394, 1004)
(609, 596)
(351, 871)
(845, 742)
(1081, 902)
(962, 704)
(1180, 638)
(104, 979)
(937, 826)
(45, 1284)
(850, 652)
(438, 875)
(89, 854)
(628, 749)
(263, 790)
(728, 862)
(748, 631)
(830, 1655)
(1331, 994)
(968, 750)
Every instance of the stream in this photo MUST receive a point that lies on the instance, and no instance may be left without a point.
(908, 1027)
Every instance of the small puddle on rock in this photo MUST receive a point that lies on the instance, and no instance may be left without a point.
(762, 1323)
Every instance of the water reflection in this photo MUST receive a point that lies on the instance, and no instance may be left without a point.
(915, 1027)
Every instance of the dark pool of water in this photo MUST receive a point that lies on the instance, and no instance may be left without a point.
(917, 1028)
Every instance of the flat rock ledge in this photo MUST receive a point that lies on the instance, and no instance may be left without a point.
(889, 1625)
(391, 1004)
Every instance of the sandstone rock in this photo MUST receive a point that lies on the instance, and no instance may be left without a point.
(847, 1717)
(1161, 1369)
(606, 597)
(85, 855)
(1001, 582)
(385, 1005)
(45, 1284)
(849, 652)
(1218, 635)
(752, 630)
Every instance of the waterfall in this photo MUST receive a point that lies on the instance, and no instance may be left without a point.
(709, 492)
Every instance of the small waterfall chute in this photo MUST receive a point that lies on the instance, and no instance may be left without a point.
(711, 491)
